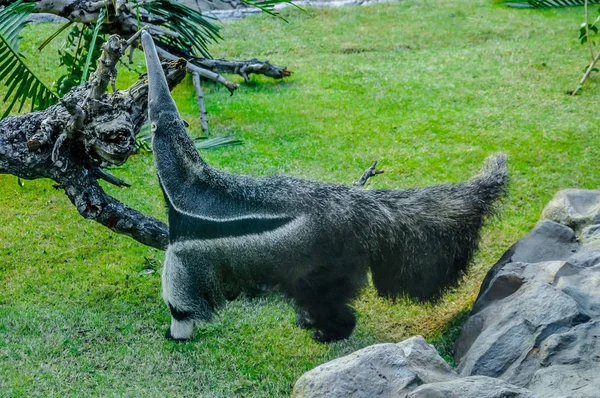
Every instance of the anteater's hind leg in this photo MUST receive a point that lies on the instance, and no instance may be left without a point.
(303, 319)
(323, 305)
(333, 322)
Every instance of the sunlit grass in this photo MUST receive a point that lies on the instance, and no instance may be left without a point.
(429, 88)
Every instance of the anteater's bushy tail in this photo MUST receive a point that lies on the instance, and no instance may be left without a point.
(439, 228)
(492, 181)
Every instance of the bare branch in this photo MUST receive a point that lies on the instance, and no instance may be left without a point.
(106, 176)
(215, 77)
(131, 40)
(201, 105)
(370, 172)
(587, 74)
(243, 68)
(106, 71)
(93, 203)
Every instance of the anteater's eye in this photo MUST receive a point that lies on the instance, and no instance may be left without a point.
(153, 127)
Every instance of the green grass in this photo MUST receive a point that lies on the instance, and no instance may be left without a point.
(429, 88)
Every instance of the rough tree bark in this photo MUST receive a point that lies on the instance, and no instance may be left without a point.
(90, 129)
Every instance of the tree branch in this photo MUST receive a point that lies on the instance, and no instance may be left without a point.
(201, 105)
(370, 172)
(243, 68)
(207, 74)
(73, 140)
(106, 176)
(587, 74)
(93, 203)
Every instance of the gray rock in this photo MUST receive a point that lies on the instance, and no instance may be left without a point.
(548, 241)
(381, 370)
(210, 5)
(536, 322)
(41, 18)
(590, 237)
(511, 327)
(471, 387)
(544, 337)
(566, 364)
(582, 283)
(575, 208)
(234, 9)
(512, 276)
(585, 258)
(425, 362)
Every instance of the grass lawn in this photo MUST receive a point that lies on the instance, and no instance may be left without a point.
(430, 88)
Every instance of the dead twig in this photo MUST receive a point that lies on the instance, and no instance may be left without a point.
(370, 172)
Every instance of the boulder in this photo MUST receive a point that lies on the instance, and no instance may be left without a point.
(568, 364)
(548, 241)
(497, 338)
(381, 370)
(575, 208)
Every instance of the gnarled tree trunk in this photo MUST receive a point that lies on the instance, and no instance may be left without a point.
(72, 141)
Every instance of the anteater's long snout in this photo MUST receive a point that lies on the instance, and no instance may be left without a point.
(159, 97)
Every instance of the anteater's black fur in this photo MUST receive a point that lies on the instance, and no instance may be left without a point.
(318, 241)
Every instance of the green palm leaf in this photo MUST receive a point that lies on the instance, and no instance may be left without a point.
(95, 32)
(195, 30)
(549, 3)
(144, 140)
(217, 142)
(22, 83)
(13, 19)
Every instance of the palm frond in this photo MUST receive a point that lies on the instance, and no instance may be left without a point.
(54, 35)
(22, 83)
(95, 32)
(144, 140)
(12, 21)
(195, 31)
(216, 142)
(549, 3)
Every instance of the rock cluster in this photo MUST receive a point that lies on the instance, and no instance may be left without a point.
(534, 330)
(536, 322)
(381, 370)
(410, 369)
